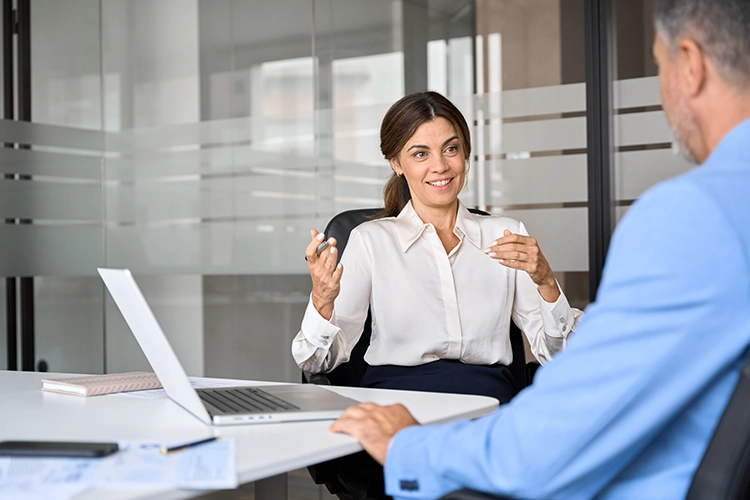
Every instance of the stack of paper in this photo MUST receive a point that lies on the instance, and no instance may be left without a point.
(139, 465)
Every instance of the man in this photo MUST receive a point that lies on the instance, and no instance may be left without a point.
(628, 409)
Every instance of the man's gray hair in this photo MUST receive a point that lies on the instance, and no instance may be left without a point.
(720, 27)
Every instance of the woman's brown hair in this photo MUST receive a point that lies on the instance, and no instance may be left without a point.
(400, 123)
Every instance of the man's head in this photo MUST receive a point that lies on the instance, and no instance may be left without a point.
(702, 48)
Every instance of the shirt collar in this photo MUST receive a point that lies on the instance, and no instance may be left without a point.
(734, 143)
(410, 227)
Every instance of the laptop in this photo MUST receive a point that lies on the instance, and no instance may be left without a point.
(216, 406)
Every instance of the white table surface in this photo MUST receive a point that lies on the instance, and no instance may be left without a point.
(263, 450)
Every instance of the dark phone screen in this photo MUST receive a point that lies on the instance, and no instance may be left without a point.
(56, 449)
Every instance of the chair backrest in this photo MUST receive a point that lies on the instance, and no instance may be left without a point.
(351, 372)
(724, 471)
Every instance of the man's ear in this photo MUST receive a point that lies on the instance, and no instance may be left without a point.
(395, 166)
(691, 61)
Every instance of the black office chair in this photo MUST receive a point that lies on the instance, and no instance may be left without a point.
(724, 471)
(351, 373)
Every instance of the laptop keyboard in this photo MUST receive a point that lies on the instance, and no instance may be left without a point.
(244, 400)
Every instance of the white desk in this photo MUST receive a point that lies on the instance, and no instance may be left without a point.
(265, 453)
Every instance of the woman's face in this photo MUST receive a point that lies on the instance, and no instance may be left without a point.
(432, 161)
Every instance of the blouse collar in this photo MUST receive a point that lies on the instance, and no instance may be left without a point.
(410, 227)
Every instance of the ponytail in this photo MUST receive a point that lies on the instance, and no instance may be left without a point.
(396, 195)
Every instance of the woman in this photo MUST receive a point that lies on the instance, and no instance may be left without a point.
(441, 282)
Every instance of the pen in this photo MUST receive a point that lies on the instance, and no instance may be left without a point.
(320, 248)
(165, 450)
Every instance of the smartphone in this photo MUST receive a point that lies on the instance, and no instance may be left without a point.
(56, 449)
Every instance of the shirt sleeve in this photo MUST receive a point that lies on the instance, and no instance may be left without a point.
(546, 325)
(321, 345)
(628, 377)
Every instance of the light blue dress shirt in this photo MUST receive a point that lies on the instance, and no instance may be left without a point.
(628, 409)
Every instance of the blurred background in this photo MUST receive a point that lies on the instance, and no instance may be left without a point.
(196, 142)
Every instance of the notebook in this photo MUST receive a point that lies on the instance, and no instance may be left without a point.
(95, 385)
(219, 406)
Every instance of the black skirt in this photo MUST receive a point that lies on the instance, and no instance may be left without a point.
(359, 476)
(444, 375)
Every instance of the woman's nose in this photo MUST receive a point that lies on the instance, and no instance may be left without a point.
(439, 165)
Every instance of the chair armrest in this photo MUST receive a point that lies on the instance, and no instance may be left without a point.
(315, 378)
(466, 494)
(531, 368)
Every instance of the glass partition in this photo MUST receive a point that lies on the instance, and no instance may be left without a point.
(196, 142)
(530, 128)
(51, 192)
(642, 140)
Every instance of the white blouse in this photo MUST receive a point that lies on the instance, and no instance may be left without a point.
(428, 305)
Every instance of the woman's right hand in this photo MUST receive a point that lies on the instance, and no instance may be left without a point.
(325, 274)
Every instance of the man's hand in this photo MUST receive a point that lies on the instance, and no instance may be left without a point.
(374, 426)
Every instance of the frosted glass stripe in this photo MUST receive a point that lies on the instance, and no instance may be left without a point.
(642, 128)
(208, 132)
(30, 162)
(562, 234)
(50, 250)
(263, 247)
(538, 101)
(50, 200)
(465, 104)
(270, 130)
(253, 196)
(636, 171)
(352, 118)
(364, 148)
(637, 92)
(370, 173)
(222, 160)
(371, 194)
(552, 179)
(348, 202)
(542, 135)
(37, 134)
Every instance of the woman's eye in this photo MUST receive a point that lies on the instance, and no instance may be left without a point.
(451, 149)
(420, 154)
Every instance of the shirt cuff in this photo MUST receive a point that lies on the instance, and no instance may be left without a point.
(407, 471)
(557, 316)
(317, 330)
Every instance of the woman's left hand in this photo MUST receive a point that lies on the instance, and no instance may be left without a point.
(522, 252)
